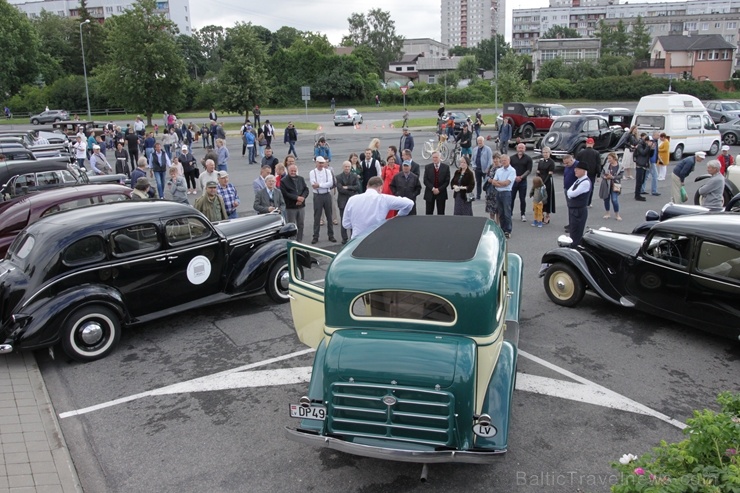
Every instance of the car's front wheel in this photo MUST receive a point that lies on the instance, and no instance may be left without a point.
(91, 333)
(57, 120)
(714, 150)
(729, 138)
(564, 285)
(527, 132)
(277, 282)
(34, 121)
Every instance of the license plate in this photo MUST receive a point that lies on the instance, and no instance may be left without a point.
(315, 411)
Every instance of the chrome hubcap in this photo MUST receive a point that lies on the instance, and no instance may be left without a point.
(91, 333)
(283, 280)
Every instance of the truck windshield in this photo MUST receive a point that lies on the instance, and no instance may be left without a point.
(649, 121)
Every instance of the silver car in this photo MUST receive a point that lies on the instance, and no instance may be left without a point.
(723, 111)
(347, 117)
(49, 116)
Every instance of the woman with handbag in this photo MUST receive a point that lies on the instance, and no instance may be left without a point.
(463, 184)
(546, 170)
(611, 184)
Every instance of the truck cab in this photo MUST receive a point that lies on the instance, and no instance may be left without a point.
(415, 327)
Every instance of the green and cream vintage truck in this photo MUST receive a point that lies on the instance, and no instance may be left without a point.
(415, 328)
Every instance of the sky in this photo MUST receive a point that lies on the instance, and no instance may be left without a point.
(413, 18)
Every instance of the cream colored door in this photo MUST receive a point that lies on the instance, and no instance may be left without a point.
(308, 267)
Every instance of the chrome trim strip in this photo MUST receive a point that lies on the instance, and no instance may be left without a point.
(400, 455)
(6, 348)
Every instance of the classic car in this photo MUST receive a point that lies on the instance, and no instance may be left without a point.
(17, 151)
(28, 137)
(17, 213)
(73, 127)
(621, 118)
(40, 175)
(669, 211)
(730, 132)
(49, 116)
(568, 135)
(530, 119)
(416, 341)
(78, 276)
(347, 117)
(583, 111)
(732, 184)
(685, 269)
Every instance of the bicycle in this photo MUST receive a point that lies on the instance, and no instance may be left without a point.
(435, 144)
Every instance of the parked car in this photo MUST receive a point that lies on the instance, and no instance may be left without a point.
(723, 111)
(730, 132)
(347, 117)
(78, 277)
(615, 109)
(28, 136)
(685, 269)
(621, 118)
(669, 211)
(732, 184)
(582, 111)
(416, 341)
(73, 127)
(17, 151)
(20, 177)
(49, 116)
(531, 119)
(19, 212)
(569, 133)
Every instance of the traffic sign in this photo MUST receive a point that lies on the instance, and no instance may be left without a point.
(404, 89)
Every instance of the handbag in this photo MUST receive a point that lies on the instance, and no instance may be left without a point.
(617, 187)
(469, 196)
(684, 195)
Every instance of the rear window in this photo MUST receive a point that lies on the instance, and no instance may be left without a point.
(91, 249)
(342, 113)
(562, 125)
(650, 121)
(23, 246)
(405, 305)
(558, 111)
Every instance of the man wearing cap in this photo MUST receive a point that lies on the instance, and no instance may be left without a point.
(322, 181)
(259, 182)
(503, 180)
(366, 211)
(98, 163)
(406, 184)
(295, 192)
(348, 185)
(577, 197)
(681, 171)
(141, 189)
(592, 159)
(80, 148)
(653, 171)
(415, 168)
(725, 160)
(211, 204)
(713, 189)
(228, 193)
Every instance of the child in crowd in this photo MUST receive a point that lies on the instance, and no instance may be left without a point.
(539, 197)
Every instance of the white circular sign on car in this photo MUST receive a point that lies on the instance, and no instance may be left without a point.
(485, 431)
(199, 269)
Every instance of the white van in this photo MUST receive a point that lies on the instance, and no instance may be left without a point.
(683, 118)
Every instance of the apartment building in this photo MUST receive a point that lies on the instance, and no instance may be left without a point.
(178, 11)
(468, 22)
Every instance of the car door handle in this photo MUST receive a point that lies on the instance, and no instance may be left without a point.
(163, 259)
(172, 257)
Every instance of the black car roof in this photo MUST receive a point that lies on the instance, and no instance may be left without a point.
(723, 227)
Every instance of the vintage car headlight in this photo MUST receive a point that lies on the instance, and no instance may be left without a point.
(564, 241)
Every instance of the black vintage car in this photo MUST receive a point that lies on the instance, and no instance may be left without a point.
(77, 277)
(685, 269)
(568, 135)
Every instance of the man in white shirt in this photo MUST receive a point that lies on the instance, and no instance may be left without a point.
(366, 211)
(80, 148)
(504, 180)
(577, 197)
(210, 174)
(322, 181)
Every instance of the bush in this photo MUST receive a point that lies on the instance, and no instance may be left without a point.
(706, 462)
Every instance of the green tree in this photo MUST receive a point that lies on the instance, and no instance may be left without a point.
(60, 45)
(191, 51)
(468, 68)
(511, 83)
(556, 32)
(487, 50)
(146, 75)
(19, 63)
(552, 69)
(461, 51)
(620, 44)
(242, 81)
(377, 31)
(93, 36)
(284, 38)
(605, 35)
(211, 39)
(640, 40)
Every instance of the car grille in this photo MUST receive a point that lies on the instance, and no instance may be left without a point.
(420, 416)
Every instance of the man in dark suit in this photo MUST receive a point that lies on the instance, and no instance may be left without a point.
(592, 159)
(406, 156)
(270, 198)
(406, 184)
(348, 184)
(436, 182)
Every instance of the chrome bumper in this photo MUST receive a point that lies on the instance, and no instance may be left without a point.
(6, 348)
(418, 456)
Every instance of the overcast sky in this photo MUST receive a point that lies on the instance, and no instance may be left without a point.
(413, 18)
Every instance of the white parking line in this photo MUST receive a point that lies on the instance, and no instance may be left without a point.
(238, 378)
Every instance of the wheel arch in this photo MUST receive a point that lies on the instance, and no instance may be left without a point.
(251, 275)
(576, 260)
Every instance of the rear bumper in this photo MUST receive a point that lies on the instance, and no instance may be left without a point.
(400, 455)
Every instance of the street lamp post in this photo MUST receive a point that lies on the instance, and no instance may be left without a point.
(495, 56)
(84, 69)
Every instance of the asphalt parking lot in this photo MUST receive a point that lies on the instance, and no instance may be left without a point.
(198, 401)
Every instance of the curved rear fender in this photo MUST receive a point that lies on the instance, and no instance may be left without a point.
(316, 387)
(497, 403)
(47, 316)
(575, 259)
(250, 274)
(514, 270)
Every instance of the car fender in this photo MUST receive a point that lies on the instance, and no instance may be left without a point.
(44, 319)
(252, 274)
(316, 387)
(497, 403)
(514, 270)
(575, 259)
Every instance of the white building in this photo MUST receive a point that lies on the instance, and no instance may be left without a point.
(468, 22)
(178, 11)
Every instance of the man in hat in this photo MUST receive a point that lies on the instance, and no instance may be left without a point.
(725, 159)
(592, 159)
(98, 163)
(577, 197)
(141, 189)
(211, 204)
(681, 171)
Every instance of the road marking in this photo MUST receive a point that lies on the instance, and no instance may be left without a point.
(238, 378)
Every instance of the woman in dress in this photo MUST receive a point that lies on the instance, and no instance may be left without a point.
(375, 148)
(388, 171)
(463, 185)
(612, 175)
(628, 161)
(491, 192)
(545, 170)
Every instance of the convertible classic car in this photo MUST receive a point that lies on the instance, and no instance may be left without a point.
(78, 276)
(416, 341)
(685, 269)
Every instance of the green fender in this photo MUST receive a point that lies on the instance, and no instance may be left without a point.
(498, 399)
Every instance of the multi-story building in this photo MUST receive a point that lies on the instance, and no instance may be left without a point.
(571, 50)
(692, 17)
(178, 11)
(427, 47)
(468, 22)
